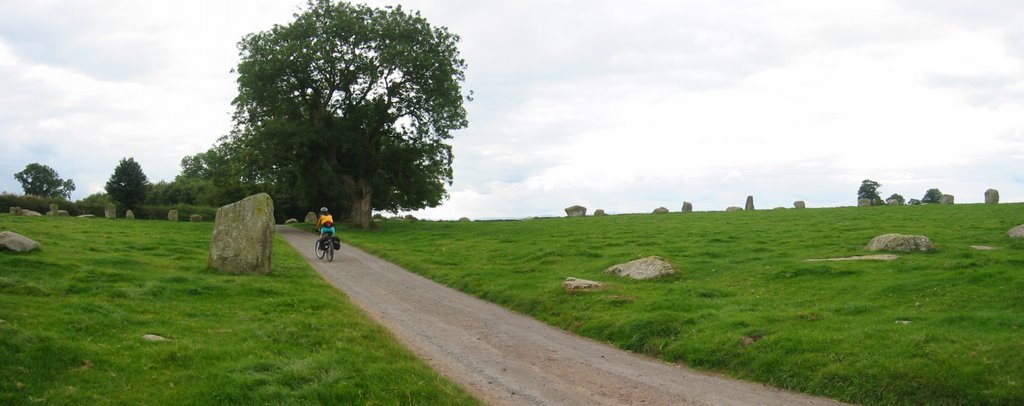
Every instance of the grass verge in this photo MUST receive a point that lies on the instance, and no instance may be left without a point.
(75, 312)
(929, 328)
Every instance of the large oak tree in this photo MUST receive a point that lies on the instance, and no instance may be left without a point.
(352, 105)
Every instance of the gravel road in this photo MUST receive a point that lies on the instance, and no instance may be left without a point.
(505, 358)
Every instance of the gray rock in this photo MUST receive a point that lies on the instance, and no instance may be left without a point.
(87, 216)
(643, 268)
(687, 207)
(63, 213)
(110, 211)
(291, 221)
(16, 211)
(660, 210)
(172, 215)
(750, 203)
(946, 199)
(195, 218)
(733, 208)
(991, 196)
(310, 218)
(573, 284)
(900, 242)
(154, 337)
(243, 236)
(576, 211)
(1016, 232)
(53, 210)
(12, 241)
(130, 215)
(600, 212)
(799, 204)
(465, 219)
(863, 202)
(30, 213)
(893, 202)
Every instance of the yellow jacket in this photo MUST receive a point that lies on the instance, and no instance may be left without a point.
(323, 219)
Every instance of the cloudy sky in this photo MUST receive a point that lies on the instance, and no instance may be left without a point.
(624, 106)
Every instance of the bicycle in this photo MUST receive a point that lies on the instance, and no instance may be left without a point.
(325, 247)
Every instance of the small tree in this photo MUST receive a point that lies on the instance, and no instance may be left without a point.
(869, 190)
(42, 180)
(931, 196)
(896, 199)
(128, 184)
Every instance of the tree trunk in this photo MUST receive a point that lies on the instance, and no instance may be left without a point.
(361, 211)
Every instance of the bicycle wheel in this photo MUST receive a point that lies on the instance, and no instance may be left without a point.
(319, 250)
(330, 252)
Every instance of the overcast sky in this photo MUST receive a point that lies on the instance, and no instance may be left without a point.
(624, 106)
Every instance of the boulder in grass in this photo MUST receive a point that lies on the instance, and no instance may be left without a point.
(63, 213)
(572, 284)
(900, 242)
(643, 268)
(53, 210)
(599, 213)
(660, 210)
(30, 213)
(13, 241)
(576, 211)
(243, 236)
(130, 215)
(1016, 232)
(734, 208)
(291, 221)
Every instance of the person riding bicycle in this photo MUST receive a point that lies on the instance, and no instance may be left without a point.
(325, 225)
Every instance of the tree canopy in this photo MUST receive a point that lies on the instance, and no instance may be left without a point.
(869, 190)
(128, 185)
(351, 106)
(41, 180)
(931, 196)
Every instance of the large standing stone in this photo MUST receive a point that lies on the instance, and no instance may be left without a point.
(900, 242)
(1016, 232)
(130, 215)
(243, 236)
(599, 212)
(750, 203)
(110, 211)
(660, 210)
(946, 199)
(991, 196)
(863, 202)
(310, 218)
(10, 240)
(799, 204)
(172, 215)
(53, 210)
(643, 268)
(687, 207)
(576, 211)
(195, 218)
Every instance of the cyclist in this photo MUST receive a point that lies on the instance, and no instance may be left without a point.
(325, 225)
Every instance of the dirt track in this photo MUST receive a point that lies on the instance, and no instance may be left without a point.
(505, 358)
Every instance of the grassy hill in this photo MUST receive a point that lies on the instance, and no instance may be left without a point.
(74, 314)
(945, 327)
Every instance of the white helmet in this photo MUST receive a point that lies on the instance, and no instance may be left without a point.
(323, 210)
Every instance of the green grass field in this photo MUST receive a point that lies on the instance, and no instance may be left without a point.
(75, 312)
(837, 329)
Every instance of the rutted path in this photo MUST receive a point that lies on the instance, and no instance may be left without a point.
(507, 358)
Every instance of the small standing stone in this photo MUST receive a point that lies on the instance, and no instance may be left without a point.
(172, 215)
(991, 196)
(687, 207)
(310, 218)
(16, 211)
(863, 202)
(195, 218)
(733, 208)
(576, 211)
(53, 210)
(946, 199)
(130, 215)
(660, 210)
(110, 211)
(243, 236)
(750, 203)
(799, 204)
(599, 212)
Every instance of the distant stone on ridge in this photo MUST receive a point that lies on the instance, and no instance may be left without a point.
(863, 202)
(734, 208)
(599, 212)
(643, 268)
(900, 242)
(991, 196)
(110, 211)
(750, 203)
(310, 218)
(172, 215)
(464, 219)
(576, 211)
(13, 241)
(799, 204)
(687, 207)
(1016, 232)
(243, 236)
(660, 210)
(946, 199)
(573, 284)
